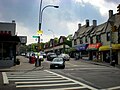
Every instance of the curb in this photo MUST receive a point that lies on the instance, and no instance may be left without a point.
(20, 70)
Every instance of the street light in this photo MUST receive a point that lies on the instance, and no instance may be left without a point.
(40, 23)
(53, 38)
(41, 12)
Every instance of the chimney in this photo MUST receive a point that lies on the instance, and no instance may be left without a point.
(87, 23)
(79, 26)
(110, 13)
(94, 23)
(13, 21)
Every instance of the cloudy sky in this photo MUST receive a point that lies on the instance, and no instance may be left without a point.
(62, 21)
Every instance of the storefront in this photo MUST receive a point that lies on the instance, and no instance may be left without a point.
(105, 51)
(8, 50)
(93, 50)
(81, 51)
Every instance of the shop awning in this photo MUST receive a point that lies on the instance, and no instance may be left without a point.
(94, 46)
(12, 39)
(81, 47)
(107, 47)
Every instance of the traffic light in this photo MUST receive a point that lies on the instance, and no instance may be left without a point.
(118, 10)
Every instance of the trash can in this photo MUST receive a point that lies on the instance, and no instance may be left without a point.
(33, 59)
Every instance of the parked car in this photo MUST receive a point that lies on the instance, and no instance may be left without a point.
(57, 63)
(51, 56)
(66, 57)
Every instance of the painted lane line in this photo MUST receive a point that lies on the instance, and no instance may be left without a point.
(5, 79)
(33, 82)
(36, 79)
(75, 81)
(46, 85)
(30, 77)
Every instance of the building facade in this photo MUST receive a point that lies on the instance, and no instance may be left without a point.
(8, 43)
(103, 41)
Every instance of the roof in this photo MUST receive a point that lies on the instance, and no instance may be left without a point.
(99, 29)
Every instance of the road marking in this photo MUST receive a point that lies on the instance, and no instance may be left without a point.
(33, 82)
(75, 81)
(19, 77)
(41, 76)
(5, 79)
(36, 79)
(23, 86)
(113, 88)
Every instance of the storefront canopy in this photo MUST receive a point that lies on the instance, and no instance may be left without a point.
(12, 39)
(94, 46)
(107, 47)
(81, 47)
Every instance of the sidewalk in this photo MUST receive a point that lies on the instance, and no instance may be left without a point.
(99, 63)
(24, 65)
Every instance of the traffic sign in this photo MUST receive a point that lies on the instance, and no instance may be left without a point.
(39, 32)
(35, 36)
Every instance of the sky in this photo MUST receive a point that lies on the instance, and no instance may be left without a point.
(57, 22)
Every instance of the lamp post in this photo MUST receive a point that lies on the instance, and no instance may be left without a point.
(41, 12)
(40, 31)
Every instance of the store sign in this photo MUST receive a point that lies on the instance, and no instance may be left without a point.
(94, 46)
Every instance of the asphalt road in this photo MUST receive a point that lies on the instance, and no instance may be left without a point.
(77, 75)
(100, 77)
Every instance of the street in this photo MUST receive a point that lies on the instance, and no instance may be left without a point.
(77, 75)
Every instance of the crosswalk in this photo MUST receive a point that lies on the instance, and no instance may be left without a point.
(45, 80)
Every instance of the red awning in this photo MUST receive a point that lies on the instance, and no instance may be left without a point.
(94, 46)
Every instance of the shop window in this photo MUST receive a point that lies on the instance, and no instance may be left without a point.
(108, 36)
(6, 53)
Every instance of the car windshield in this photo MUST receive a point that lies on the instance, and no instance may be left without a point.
(57, 60)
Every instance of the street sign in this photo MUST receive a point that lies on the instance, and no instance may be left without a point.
(35, 36)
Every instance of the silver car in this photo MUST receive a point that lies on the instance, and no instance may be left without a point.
(57, 63)
(66, 57)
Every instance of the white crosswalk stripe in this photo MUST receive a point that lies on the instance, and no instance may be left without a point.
(45, 80)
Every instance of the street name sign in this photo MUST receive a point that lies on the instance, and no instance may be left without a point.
(35, 36)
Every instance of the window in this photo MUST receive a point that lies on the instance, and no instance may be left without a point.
(86, 39)
(108, 36)
(91, 40)
(98, 38)
(81, 41)
(6, 51)
(75, 42)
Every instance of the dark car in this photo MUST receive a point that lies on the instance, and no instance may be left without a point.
(51, 56)
(57, 63)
